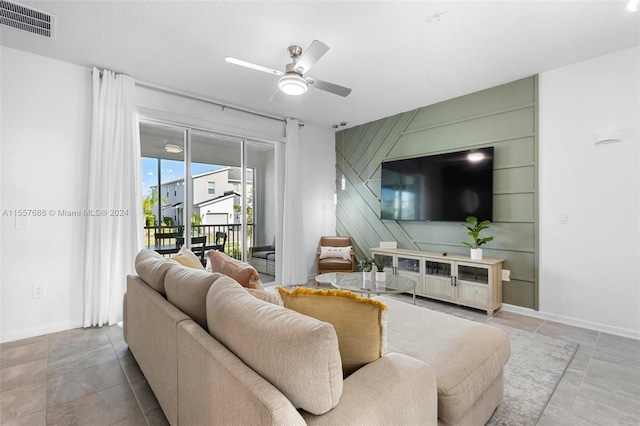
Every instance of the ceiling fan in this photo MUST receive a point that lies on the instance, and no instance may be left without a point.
(293, 80)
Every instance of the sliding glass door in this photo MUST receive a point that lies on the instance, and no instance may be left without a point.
(162, 149)
(204, 184)
(218, 190)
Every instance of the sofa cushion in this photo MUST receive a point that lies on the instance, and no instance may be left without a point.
(186, 258)
(358, 321)
(242, 272)
(467, 359)
(262, 254)
(296, 353)
(152, 268)
(187, 290)
(337, 252)
(335, 264)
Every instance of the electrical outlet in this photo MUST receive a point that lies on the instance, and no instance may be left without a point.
(38, 290)
(506, 275)
(22, 222)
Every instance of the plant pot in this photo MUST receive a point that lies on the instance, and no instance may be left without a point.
(476, 254)
(381, 276)
(366, 275)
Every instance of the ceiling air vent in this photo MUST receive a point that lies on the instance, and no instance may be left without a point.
(26, 19)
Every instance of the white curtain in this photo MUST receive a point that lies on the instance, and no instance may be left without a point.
(293, 256)
(115, 225)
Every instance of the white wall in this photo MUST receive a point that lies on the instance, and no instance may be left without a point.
(319, 210)
(589, 267)
(46, 114)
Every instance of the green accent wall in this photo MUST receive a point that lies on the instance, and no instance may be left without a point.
(505, 117)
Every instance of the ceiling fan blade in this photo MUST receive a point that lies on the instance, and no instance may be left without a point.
(315, 51)
(276, 97)
(253, 66)
(329, 87)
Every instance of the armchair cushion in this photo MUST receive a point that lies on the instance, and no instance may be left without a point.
(262, 254)
(359, 322)
(335, 241)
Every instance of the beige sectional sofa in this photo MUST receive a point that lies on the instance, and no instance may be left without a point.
(215, 354)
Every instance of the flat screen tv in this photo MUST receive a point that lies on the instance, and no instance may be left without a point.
(445, 187)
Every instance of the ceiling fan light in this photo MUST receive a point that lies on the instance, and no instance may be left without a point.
(293, 85)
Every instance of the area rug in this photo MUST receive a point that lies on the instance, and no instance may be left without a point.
(531, 376)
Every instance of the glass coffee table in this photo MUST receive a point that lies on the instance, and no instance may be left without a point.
(325, 278)
(356, 283)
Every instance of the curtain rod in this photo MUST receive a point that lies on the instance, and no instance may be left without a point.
(190, 95)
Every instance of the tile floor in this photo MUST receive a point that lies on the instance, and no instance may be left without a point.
(74, 377)
(89, 377)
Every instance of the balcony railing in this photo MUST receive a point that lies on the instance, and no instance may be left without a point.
(233, 247)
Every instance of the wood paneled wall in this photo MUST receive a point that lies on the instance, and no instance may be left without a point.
(504, 117)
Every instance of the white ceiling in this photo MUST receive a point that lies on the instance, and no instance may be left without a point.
(393, 54)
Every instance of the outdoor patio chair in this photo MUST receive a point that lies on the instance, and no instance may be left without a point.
(198, 245)
(220, 241)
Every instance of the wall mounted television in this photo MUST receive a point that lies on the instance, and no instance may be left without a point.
(444, 187)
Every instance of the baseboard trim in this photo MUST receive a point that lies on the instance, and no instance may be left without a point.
(623, 332)
(38, 331)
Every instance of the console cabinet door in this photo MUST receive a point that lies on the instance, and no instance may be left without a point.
(473, 284)
(437, 279)
(389, 260)
(409, 266)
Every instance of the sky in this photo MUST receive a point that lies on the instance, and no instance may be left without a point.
(170, 170)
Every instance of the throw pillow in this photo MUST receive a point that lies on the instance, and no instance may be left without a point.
(339, 252)
(266, 295)
(186, 258)
(359, 322)
(242, 272)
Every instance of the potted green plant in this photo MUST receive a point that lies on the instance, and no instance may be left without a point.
(473, 230)
(380, 263)
(366, 265)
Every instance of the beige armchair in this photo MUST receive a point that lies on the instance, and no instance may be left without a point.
(333, 255)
